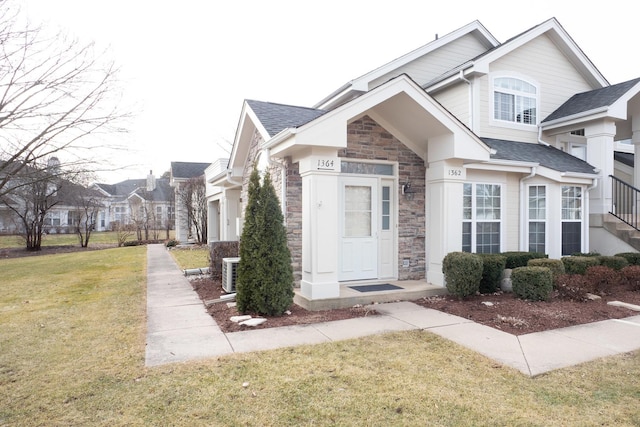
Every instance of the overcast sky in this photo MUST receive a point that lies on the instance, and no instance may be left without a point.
(190, 64)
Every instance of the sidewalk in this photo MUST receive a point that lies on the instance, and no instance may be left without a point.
(179, 329)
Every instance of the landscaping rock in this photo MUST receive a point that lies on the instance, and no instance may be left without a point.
(254, 322)
(238, 319)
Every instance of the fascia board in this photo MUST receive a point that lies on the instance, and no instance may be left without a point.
(362, 82)
(596, 113)
(324, 129)
(503, 166)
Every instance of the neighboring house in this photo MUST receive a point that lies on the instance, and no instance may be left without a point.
(67, 199)
(464, 144)
(143, 204)
(180, 174)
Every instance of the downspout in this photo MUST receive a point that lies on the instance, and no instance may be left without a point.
(523, 208)
(540, 141)
(467, 81)
(586, 214)
(231, 180)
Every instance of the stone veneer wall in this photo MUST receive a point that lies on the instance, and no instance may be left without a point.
(292, 204)
(366, 139)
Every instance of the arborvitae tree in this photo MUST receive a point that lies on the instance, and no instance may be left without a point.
(275, 291)
(248, 278)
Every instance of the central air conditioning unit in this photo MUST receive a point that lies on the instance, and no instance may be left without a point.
(229, 274)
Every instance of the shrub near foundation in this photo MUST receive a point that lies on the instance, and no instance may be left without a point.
(615, 262)
(579, 264)
(492, 267)
(633, 258)
(517, 259)
(555, 265)
(631, 276)
(532, 283)
(463, 273)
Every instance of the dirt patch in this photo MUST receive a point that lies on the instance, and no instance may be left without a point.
(503, 311)
(50, 250)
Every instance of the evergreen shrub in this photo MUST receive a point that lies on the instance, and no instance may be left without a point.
(492, 267)
(463, 273)
(532, 283)
(517, 259)
(615, 262)
(579, 264)
(633, 258)
(555, 265)
(265, 277)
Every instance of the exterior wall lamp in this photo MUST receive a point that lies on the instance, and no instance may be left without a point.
(407, 191)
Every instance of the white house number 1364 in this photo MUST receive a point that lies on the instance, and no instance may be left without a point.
(325, 164)
(455, 172)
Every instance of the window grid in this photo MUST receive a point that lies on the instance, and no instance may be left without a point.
(537, 218)
(514, 100)
(571, 219)
(482, 216)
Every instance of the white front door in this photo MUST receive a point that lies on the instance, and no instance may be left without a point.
(359, 229)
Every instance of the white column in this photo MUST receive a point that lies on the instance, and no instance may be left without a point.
(444, 214)
(600, 154)
(320, 226)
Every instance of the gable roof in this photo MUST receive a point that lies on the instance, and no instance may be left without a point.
(124, 189)
(187, 170)
(547, 156)
(276, 117)
(591, 101)
(361, 84)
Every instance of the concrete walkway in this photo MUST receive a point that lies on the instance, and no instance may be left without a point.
(179, 329)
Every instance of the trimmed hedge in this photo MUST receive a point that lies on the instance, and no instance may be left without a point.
(492, 267)
(573, 287)
(579, 264)
(532, 283)
(463, 273)
(615, 262)
(633, 258)
(555, 265)
(515, 259)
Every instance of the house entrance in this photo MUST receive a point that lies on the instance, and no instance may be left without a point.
(359, 242)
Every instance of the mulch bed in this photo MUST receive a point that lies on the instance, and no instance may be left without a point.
(502, 310)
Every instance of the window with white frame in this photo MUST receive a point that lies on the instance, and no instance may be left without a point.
(571, 219)
(481, 218)
(52, 218)
(537, 214)
(514, 100)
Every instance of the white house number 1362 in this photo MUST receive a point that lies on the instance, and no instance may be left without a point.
(455, 172)
(325, 164)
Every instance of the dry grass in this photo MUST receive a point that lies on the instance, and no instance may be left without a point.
(72, 353)
(191, 257)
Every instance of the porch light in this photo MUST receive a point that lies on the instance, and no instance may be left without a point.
(406, 188)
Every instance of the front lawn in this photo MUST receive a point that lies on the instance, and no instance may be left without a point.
(72, 347)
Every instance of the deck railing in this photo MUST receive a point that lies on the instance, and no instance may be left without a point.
(625, 202)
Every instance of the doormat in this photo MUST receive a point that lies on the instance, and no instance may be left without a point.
(375, 288)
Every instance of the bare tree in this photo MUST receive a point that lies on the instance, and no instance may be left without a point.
(88, 203)
(193, 200)
(34, 195)
(56, 98)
